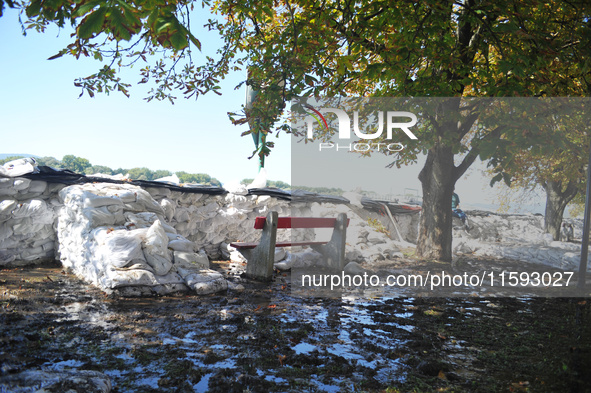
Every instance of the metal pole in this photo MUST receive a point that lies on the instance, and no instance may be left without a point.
(585, 240)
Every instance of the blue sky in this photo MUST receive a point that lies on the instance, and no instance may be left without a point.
(42, 115)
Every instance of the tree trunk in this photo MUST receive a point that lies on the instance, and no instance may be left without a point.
(438, 181)
(556, 201)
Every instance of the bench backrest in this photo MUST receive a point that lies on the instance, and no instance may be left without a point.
(299, 222)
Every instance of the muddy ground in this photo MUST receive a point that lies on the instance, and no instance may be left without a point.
(264, 339)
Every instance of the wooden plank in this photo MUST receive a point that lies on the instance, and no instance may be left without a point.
(299, 222)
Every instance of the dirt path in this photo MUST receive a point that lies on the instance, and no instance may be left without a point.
(264, 339)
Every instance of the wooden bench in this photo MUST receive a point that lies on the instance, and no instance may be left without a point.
(261, 256)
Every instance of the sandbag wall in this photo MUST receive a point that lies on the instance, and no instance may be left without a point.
(27, 216)
(116, 237)
(213, 221)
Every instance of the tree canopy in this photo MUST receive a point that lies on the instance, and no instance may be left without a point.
(156, 34)
(431, 48)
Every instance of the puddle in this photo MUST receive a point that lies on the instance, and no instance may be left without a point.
(304, 348)
(203, 385)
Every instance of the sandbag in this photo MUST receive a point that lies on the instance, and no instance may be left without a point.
(155, 247)
(203, 282)
(6, 208)
(119, 247)
(30, 208)
(179, 243)
(103, 216)
(191, 259)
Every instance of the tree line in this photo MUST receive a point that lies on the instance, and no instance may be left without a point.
(83, 166)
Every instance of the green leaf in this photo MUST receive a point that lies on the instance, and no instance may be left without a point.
(33, 9)
(119, 26)
(92, 24)
(195, 41)
(87, 7)
(495, 179)
(178, 41)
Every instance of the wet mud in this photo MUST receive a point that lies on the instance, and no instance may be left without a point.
(264, 339)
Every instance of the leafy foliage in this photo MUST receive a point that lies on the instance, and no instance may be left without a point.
(122, 33)
(11, 158)
(82, 165)
(200, 178)
(75, 164)
(430, 48)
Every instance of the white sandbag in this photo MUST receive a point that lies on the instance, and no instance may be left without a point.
(305, 258)
(31, 208)
(141, 220)
(155, 246)
(181, 215)
(5, 231)
(119, 247)
(236, 256)
(26, 225)
(179, 243)
(126, 196)
(21, 184)
(117, 278)
(102, 216)
(158, 192)
(7, 256)
(92, 200)
(136, 264)
(191, 259)
(6, 208)
(6, 182)
(169, 208)
(37, 186)
(204, 282)
(18, 167)
(144, 203)
(32, 253)
(167, 228)
(8, 191)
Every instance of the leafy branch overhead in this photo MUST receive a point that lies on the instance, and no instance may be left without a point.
(122, 33)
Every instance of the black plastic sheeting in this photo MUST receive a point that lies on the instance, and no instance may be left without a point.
(65, 176)
(298, 195)
(395, 208)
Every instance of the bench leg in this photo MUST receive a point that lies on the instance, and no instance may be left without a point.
(259, 265)
(334, 250)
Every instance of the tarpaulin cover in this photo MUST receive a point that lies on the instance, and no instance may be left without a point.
(395, 208)
(307, 196)
(65, 176)
(298, 195)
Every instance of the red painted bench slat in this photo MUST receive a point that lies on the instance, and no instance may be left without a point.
(298, 222)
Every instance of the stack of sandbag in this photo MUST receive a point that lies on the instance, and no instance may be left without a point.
(27, 213)
(116, 236)
(213, 221)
